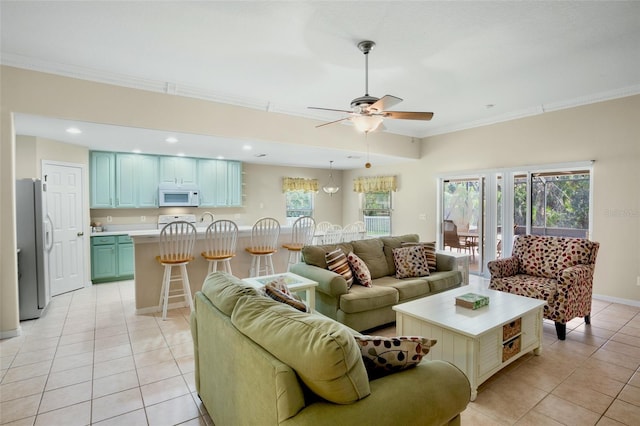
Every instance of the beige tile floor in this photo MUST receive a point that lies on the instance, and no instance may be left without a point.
(91, 360)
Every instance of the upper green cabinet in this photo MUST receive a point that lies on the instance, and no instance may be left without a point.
(220, 183)
(102, 169)
(180, 170)
(121, 180)
(136, 180)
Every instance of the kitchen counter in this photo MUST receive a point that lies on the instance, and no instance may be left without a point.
(148, 272)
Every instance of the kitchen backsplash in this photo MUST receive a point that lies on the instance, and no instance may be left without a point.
(122, 219)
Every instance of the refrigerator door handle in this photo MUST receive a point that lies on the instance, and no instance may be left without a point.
(48, 233)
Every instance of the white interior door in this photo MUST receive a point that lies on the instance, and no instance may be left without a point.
(62, 192)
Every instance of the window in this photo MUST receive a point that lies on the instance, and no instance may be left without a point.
(299, 203)
(376, 210)
(559, 203)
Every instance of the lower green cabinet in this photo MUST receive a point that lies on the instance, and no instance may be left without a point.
(112, 258)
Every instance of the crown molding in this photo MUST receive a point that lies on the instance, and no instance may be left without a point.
(541, 109)
(172, 88)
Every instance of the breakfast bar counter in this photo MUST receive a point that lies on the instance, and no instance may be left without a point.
(148, 272)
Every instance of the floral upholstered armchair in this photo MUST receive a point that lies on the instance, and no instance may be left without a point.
(558, 270)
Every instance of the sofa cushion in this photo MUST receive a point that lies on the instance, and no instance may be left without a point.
(337, 262)
(538, 255)
(429, 252)
(315, 255)
(526, 285)
(444, 280)
(323, 352)
(407, 288)
(360, 270)
(362, 299)
(410, 262)
(384, 355)
(394, 242)
(224, 290)
(371, 252)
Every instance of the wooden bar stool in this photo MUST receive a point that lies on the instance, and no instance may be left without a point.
(176, 249)
(302, 234)
(220, 244)
(264, 243)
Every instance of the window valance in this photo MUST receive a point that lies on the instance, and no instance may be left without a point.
(299, 184)
(375, 184)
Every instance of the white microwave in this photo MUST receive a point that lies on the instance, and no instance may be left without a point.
(172, 195)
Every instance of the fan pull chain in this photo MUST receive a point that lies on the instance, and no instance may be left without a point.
(367, 165)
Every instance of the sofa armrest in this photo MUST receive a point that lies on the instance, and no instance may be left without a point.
(328, 281)
(434, 392)
(501, 268)
(445, 262)
(576, 280)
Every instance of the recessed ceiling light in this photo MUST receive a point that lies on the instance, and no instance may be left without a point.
(180, 154)
(74, 130)
(171, 139)
(247, 147)
(136, 151)
(220, 157)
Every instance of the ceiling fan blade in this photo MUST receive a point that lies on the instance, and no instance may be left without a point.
(408, 115)
(331, 109)
(332, 122)
(384, 103)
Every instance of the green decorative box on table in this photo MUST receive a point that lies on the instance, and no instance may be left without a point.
(472, 300)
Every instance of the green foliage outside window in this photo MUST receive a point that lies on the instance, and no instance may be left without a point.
(557, 201)
(299, 203)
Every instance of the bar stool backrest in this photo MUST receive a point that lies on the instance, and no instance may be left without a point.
(264, 235)
(302, 232)
(176, 242)
(221, 238)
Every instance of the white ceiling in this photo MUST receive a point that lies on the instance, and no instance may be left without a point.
(452, 58)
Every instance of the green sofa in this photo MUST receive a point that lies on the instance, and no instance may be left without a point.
(262, 362)
(363, 308)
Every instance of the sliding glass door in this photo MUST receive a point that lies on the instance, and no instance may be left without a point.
(482, 213)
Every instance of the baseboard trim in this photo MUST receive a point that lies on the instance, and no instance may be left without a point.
(10, 333)
(619, 300)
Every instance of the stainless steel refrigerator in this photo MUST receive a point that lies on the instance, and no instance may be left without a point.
(33, 286)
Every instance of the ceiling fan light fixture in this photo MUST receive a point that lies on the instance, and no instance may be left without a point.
(366, 123)
(331, 188)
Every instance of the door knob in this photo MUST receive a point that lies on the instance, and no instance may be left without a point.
(80, 234)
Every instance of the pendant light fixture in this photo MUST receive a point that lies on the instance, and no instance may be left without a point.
(331, 188)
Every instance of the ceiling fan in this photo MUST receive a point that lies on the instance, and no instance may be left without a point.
(368, 112)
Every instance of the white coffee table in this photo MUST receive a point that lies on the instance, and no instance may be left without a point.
(479, 342)
(295, 283)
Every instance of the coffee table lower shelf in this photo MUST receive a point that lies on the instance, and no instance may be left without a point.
(483, 351)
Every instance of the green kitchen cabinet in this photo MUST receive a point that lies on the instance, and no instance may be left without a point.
(112, 258)
(102, 188)
(220, 183)
(126, 257)
(178, 170)
(234, 185)
(136, 181)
